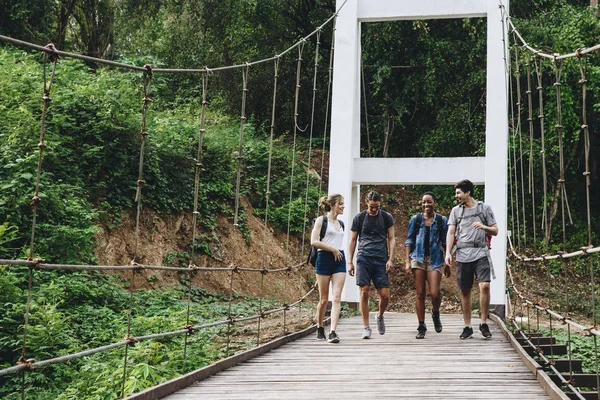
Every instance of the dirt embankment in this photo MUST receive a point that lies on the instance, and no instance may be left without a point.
(163, 241)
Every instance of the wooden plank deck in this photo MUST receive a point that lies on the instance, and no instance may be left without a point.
(395, 365)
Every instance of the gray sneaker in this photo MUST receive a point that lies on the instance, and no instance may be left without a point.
(367, 333)
(380, 325)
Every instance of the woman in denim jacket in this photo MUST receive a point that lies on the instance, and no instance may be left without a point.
(424, 245)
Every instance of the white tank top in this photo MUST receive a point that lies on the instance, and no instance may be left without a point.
(333, 237)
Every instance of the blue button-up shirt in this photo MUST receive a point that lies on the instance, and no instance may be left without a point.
(416, 240)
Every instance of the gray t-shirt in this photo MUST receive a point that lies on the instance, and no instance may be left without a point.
(466, 233)
(372, 241)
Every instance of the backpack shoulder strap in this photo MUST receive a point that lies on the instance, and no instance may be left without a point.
(381, 221)
(481, 213)
(361, 221)
(323, 228)
(342, 225)
(459, 219)
(418, 222)
(439, 222)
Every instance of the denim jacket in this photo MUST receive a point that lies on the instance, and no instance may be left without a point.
(416, 240)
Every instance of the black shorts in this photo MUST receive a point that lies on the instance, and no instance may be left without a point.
(465, 272)
(370, 269)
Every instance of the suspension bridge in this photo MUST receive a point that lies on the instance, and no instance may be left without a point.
(531, 363)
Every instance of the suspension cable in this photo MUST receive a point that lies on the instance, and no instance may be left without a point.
(268, 191)
(327, 106)
(310, 140)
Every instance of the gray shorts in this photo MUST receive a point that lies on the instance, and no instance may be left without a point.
(465, 272)
(370, 269)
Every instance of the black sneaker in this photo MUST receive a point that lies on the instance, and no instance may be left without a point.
(421, 331)
(485, 331)
(467, 333)
(333, 337)
(437, 323)
(321, 333)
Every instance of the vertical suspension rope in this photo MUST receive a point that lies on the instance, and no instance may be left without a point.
(198, 167)
(513, 160)
(540, 89)
(267, 195)
(586, 140)
(147, 83)
(519, 133)
(310, 139)
(331, 51)
(364, 93)
(46, 99)
(549, 290)
(236, 224)
(531, 166)
(195, 212)
(296, 96)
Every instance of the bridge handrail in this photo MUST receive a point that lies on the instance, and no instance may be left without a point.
(565, 319)
(131, 340)
(136, 266)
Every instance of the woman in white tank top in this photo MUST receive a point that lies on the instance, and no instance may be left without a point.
(330, 264)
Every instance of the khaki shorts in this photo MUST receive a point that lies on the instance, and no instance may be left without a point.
(425, 265)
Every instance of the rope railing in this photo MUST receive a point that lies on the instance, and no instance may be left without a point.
(131, 340)
(566, 319)
(47, 50)
(560, 210)
(136, 266)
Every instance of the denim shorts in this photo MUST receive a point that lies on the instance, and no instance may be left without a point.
(465, 272)
(369, 269)
(326, 264)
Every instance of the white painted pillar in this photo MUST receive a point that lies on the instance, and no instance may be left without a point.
(348, 170)
(345, 120)
(496, 145)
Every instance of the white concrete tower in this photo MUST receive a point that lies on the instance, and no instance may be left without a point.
(347, 170)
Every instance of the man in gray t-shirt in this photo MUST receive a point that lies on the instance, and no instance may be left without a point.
(471, 223)
(373, 230)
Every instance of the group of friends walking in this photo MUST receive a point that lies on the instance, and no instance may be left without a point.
(430, 245)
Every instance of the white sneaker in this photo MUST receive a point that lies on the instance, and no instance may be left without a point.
(367, 333)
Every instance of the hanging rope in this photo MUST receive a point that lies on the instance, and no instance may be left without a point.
(329, 80)
(586, 150)
(310, 139)
(297, 93)
(268, 192)
(559, 132)
(197, 169)
(46, 99)
(531, 165)
(511, 154)
(540, 89)
(236, 225)
(520, 136)
(147, 83)
(364, 93)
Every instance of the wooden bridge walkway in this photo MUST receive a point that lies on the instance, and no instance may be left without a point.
(395, 365)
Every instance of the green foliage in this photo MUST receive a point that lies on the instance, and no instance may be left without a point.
(74, 311)
(556, 28)
(582, 347)
(425, 83)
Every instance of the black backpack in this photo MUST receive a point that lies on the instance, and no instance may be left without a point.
(312, 254)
